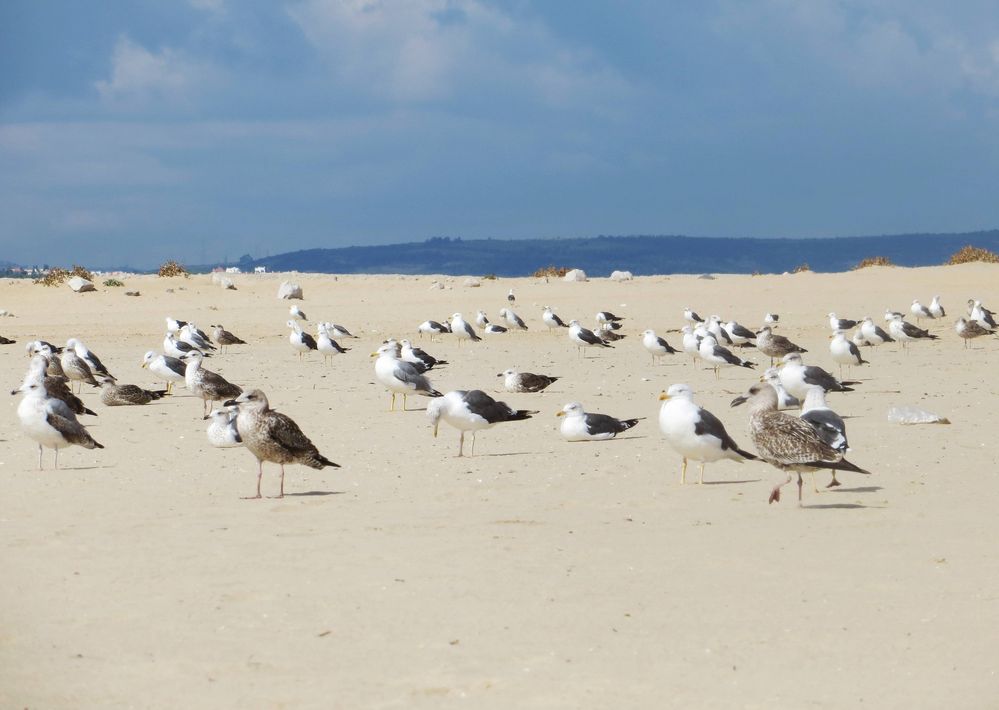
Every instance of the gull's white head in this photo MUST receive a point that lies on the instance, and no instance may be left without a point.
(677, 391)
(572, 409)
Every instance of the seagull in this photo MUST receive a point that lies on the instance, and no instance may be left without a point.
(771, 318)
(606, 332)
(718, 356)
(481, 319)
(493, 329)
(785, 400)
(297, 313)
(827, 424)
(178, 348)
(400, 377)
(510, 297)
(432, 328)
(472, 411)
(787, 442)
(740, 335)
(222, 431)
(936, 309)
(50, 422)
(525, 381)
(580, 426)
(96, 366)
(173, 325)
(656, 346)
(905, 332)
(585, 338)
(840, 323)
(691, 342)
(512, 319)
(208, 385)
(978, 312)
(53, 365)
(192, 336)
(76, 368)
(775, 346)
(919, 310)
(462, 329)
(796, 377)
(715, 329)
(326, 345)
(690, 316)
(844, 351)
(552, 320)
(224, 338)
(694, 432)
(607, 317)
(6, 341)
(873, 334)
(170, 369)
(54, 387)
(968, 329)
(337, 331)
(115, 395)
(273, 436)
(300, 341)
(418, 356)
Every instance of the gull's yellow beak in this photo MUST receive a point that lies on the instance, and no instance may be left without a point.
(143, 363)
(663, 397)
(374, 354)
(560, 413)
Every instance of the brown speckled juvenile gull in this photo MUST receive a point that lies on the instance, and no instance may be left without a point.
(224, 338)
(115, 395)
(775, 346)
(272, 436)
(55, 387)
(208, 385)
(787, 442)
(76, 368)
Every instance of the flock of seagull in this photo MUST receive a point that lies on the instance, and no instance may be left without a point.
(814, 439)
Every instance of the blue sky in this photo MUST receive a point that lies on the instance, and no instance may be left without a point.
(134, 131)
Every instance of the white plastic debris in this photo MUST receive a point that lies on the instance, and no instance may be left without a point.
(913, 415)
(289, 290)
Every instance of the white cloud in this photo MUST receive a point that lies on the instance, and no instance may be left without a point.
(433, 50)
(138, 72)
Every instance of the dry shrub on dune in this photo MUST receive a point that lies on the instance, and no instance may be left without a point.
(968, 254)
(873, 261)
(551, 272)
(58, 275)
(172, 268)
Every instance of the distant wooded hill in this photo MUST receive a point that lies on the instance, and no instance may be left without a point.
(641, 255)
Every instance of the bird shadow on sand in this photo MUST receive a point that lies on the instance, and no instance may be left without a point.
(834, 506)
(502, 453)
(304, 494)
(78, 468)
(730, 483)
(858, 489)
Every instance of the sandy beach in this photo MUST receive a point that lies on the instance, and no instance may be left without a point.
(538, 574)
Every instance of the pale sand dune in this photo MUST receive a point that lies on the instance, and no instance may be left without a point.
(539, 573)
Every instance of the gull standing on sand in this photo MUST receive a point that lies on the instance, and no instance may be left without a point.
(400, 377)
(968, 329)
(326, 345)
(481, 319)
(718, 356)
(525, 381)
(337, 331)
(170, 369)
(797, 377)
(274, 437)
(76, 368)
(462, 329)
(657, 347)
(739, 334)
(920, 311)
(552, 320)
(580, 426)
(224, 338)
(585, 338)
(785, 400)
(690, 316)
(208, 385)
(178, 348)
(513, 321)
(510, 297)
(50, 423)
(775, 346)
(787, 442)
(432, 328)
(96, 366)
(297, 313)
(873, 334)
(936, 308)
(691, 342)
(472, 411)
(714, 327)
(222, 431)
(840, 323)
(419, 357)
(301, 342)
(978, 312)
(905, 332)
(844, 352)
(694, 432)
(192, 336)
(827, 424)
(54, 387)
